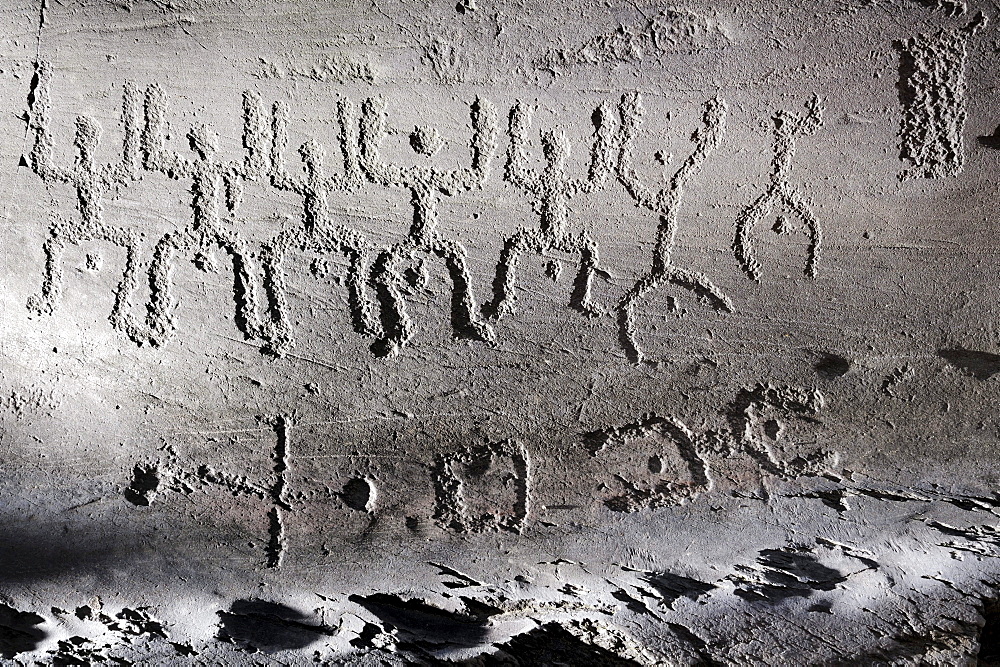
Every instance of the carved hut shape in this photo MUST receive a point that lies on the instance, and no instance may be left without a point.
(666, 491)
(552, 189)
(452, 510)
(426, 185)
(665, 203)
(318, 233)
(209, 177)
(92, 182)
(788, 127)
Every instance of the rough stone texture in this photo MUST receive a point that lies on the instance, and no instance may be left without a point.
(499, 333)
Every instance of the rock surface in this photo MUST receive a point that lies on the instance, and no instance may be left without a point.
(499, 333)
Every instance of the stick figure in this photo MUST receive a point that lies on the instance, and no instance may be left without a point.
(426, 185)
(552, 190)
(205, 233)
(92, 182)
(317, 233)
(787, 128)
(665, 203)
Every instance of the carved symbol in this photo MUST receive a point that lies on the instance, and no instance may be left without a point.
(317, 233)
(666, 491)
(552, 190)
(788, 128)
(149, 480)
(426, 185)
(91, 182)
(209, 177)
(932, 92)
(745, 418)
(665, 203)
(453, 509)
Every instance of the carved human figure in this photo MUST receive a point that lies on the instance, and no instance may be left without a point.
(210, 179)
(788, 127)
(427, 185)
(92, 182)
(552, 190)
(665, 203)
(317, 233)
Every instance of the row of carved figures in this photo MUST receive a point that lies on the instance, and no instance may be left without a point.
(262, 309)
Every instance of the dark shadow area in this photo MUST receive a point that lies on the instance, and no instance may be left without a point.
(257, 625)
(980, 365)
(18, 631)
(428, 626)
(830, 366)
(991, 140)
(144, 484)
(550, 644)
(47, 552)
(357, 494)
(989, 637)
(673, 586)
(782, 574)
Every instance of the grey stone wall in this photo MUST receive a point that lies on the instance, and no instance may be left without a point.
(498, 333)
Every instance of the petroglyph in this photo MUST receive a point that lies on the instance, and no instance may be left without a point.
(445, 58)
(653, 429)
(150, 519)
(551, 190)
(360, 494)
(751, 429)
(91, 182)
(506, 465)
(261, 272)
(426, 185)
(212, 181)
(788, 128)
(672, 31)
(665, 203)
(336, 68)
(151, 479)
(318, 232)
(276, 548)
(932, 92)
(29, 402)
(948, 7)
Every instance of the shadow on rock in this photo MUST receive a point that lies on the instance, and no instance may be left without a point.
(269, 627)
(428, 626)
(18, 631)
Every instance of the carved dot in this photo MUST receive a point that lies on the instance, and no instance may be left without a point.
(205, 262)
(359, 494)
(655, 464)
(772, 428)
(320, 267)
(426, 140)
